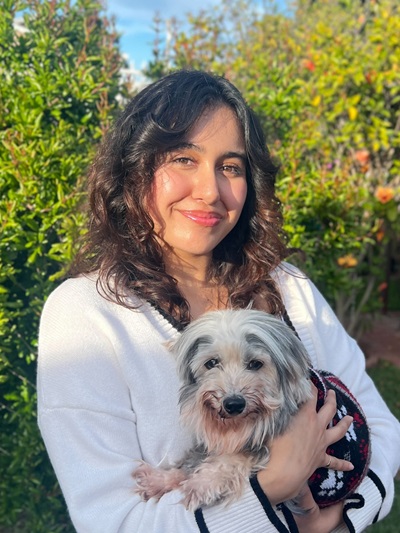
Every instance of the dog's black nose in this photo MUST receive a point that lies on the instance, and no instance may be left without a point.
(234, 405)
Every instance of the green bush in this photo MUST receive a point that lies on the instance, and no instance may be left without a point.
(59, 83)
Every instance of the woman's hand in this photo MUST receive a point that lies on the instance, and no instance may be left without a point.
(317, 520)
(297, 453)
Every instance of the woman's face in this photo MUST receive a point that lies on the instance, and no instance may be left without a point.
(199, 191)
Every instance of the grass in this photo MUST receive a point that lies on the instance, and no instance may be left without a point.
(386, 377)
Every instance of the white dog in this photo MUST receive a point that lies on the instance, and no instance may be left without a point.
(244, 375)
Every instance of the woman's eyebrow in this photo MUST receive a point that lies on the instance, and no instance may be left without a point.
(197, 148)
(238, 155)
(187, 146)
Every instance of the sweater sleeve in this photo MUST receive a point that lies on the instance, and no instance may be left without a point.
(332, 349)
(89, 427)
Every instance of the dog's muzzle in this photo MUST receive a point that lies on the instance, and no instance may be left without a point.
(234, 405)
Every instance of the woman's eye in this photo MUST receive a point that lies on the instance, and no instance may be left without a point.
(255, 365)
(211, 363)
(233, 170)
(183, 160)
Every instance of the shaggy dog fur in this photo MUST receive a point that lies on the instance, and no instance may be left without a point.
(244, 376)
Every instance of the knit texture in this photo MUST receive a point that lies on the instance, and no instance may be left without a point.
(330, 486)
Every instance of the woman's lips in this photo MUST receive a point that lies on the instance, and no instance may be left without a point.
(203, 218)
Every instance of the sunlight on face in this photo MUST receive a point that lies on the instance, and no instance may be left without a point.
(200, 190)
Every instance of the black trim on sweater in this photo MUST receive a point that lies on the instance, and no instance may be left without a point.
(173, 321)
(198, 514)
(288, 322)
(291, 522)
(356, 502)
(379, 485)
(269, 511)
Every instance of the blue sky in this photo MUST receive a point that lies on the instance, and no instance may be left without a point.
(134, 20)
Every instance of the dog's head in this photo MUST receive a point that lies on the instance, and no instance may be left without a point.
(240, 368)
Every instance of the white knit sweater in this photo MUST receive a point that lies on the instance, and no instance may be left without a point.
(107, 397)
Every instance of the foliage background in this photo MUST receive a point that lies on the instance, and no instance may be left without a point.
(325, 81)
(59, 81)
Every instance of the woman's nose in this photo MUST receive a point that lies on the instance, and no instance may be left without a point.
(206, 185)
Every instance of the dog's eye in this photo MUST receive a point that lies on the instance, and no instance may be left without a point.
(255, 365)
(211, 363)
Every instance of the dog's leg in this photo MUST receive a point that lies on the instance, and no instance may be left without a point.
(218, 478)
(155, 482)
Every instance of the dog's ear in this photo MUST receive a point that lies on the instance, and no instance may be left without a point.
(295, 372)
(184, 362)
(183, 359)
(185, 350)
(286, 351)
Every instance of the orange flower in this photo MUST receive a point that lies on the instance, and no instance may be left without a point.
(384, 194)
(380, 235)
(309, 65)
(370, 76)
(347, 261)
(383, 286)
(362, 157)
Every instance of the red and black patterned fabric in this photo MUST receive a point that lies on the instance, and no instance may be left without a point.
(330, 486)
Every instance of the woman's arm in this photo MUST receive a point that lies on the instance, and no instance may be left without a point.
(332, 349)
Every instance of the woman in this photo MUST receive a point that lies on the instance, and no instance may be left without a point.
(183, 220)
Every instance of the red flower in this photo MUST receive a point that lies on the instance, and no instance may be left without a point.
(309, 65)
(382, 286)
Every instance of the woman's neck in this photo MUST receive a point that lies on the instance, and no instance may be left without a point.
(189, 272)
(203, 297)
(202, 293)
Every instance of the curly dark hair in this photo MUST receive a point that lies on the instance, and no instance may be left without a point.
(121, 244)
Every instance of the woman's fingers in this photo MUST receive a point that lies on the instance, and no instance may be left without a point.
(334, 463)
(328, 410)
(334, 433)
(337, 432)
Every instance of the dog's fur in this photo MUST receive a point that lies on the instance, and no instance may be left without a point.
(244, 375)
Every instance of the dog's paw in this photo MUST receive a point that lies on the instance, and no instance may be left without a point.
(220, 480)
(193, 497)
(198, 494)
(148, 482)
(155, 482)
